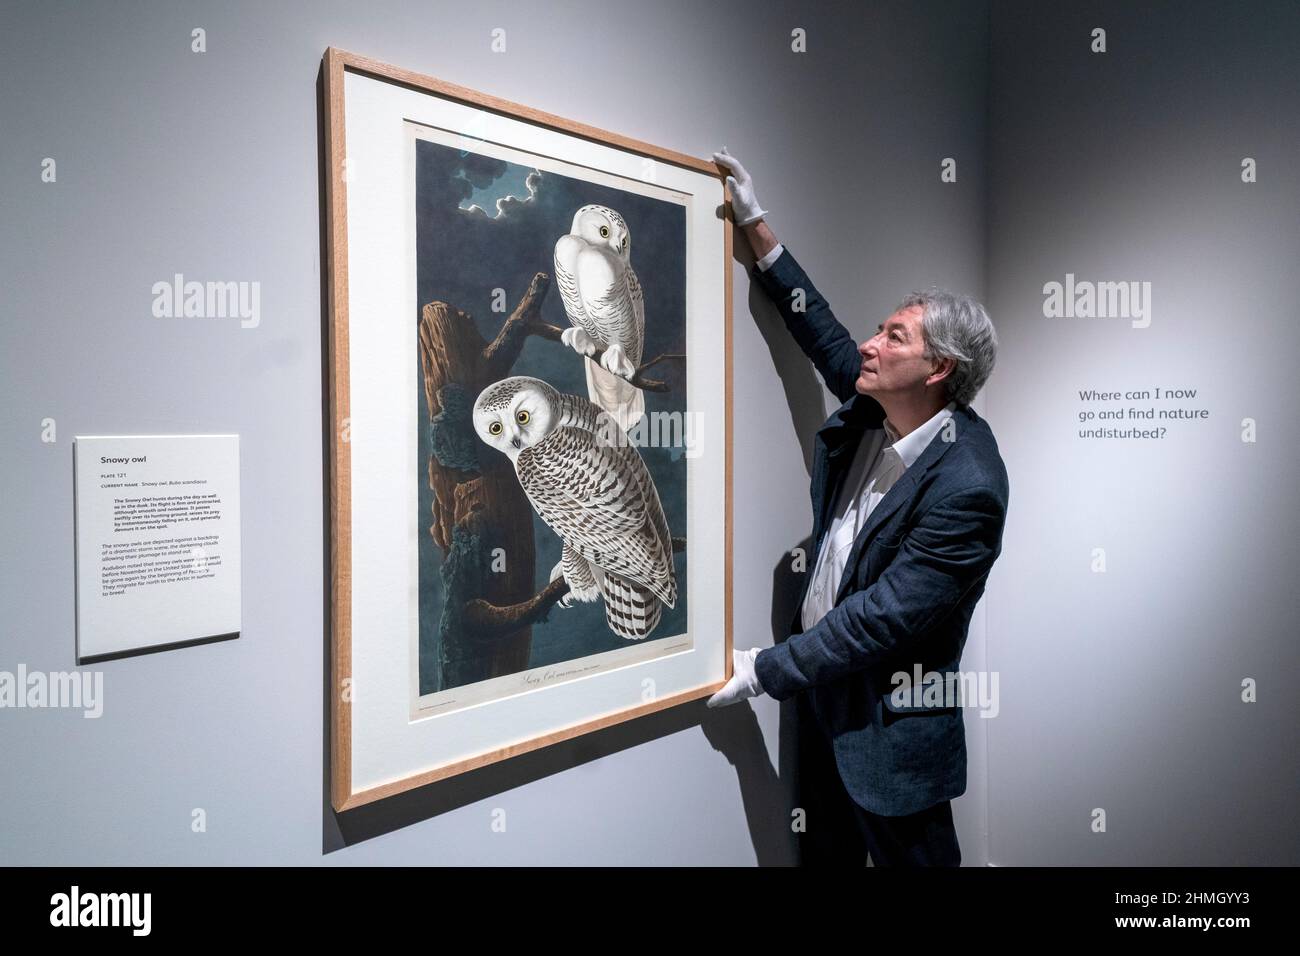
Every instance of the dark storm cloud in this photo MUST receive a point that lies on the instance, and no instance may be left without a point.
(480, 170)
(449, 177)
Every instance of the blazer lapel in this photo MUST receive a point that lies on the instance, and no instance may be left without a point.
(840, 437)
(902, 490)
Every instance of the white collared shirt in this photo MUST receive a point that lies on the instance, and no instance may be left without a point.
(766, 261)
(880, 460)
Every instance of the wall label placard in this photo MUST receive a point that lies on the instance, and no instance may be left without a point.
(157, 542)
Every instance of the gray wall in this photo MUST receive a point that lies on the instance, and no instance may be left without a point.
(1122, 690)
(1119, 690)
(170, 161)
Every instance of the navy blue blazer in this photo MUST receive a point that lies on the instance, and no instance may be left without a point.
(914, 575)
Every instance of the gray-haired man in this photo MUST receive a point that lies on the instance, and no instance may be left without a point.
(909, 498)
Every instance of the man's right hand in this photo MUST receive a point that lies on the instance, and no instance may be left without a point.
(744, 204)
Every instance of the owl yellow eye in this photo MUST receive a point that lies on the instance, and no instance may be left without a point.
(604, 232)
(521, 416)
(494, 428)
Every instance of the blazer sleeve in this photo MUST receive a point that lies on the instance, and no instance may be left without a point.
(822, 338)
(945, 554)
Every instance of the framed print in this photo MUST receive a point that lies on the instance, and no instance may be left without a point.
(530, 472)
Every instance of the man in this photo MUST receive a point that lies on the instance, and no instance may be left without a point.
(909, 498)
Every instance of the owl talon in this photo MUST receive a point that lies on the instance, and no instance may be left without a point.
(578, 340)
(615, 361)
(558, 572)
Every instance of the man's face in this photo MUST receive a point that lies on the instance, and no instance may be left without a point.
(892, 360)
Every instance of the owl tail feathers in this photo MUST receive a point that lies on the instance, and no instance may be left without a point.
(623, 400)
(668, 590)
(630, 610)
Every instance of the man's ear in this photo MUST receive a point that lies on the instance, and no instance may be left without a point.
(941, 370)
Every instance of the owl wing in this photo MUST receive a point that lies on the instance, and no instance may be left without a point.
(566, 279)
(638, 315)
(599, 497)
(607, 298)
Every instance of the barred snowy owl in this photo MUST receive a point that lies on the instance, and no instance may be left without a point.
(588, 483)
(602, 297)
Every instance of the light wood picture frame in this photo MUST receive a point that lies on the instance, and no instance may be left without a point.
(454, 643)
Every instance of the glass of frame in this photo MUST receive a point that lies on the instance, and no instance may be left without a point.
(529, 342)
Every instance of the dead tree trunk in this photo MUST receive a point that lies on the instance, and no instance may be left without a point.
(481, 520)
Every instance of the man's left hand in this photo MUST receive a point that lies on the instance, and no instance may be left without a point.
(744, 680)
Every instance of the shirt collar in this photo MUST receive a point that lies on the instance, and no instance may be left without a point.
(910, 446)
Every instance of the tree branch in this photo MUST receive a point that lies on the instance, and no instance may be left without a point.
(501, 352)
(554, 332)
(490, 622)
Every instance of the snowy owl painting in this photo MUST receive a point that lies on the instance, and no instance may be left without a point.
(602, 298)
(593, 490)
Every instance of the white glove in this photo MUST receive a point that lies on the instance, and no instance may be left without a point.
(744, 680)
(744, 205)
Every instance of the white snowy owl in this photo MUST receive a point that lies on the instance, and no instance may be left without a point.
(588, 483)
(602, 297)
